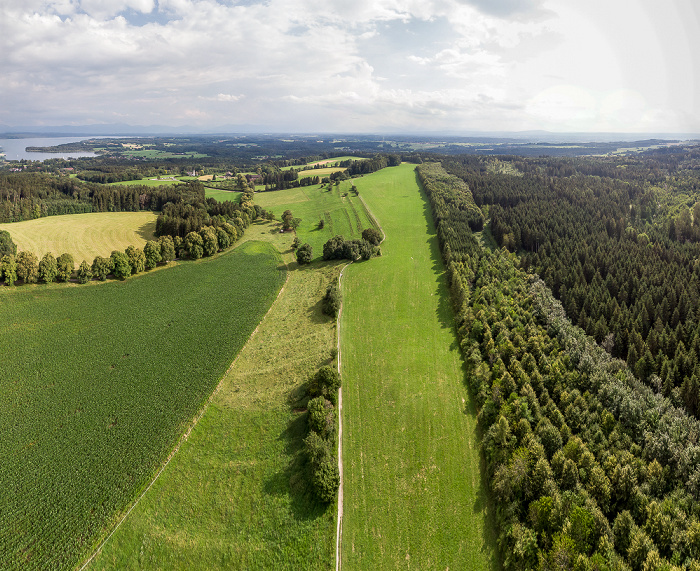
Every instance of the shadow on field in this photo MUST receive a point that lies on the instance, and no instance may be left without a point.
(483, 503)
(294, 480)
(145, 231)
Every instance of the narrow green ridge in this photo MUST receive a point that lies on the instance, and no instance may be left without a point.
(413, 496)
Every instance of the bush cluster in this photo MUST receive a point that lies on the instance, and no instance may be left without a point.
(338, 248)
(331, 301)
(319, 445)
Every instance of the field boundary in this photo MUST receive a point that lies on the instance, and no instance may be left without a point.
(193, 423)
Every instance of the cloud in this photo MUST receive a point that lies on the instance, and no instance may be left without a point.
(324, 64)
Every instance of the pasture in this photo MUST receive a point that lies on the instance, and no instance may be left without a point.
(341, 211)
(413, 493)
(223, 195)
(98, 383)
(83, 236)
(226, 500)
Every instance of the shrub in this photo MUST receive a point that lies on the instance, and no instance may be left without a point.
(372, 235)
(325, 382)
(305, 254)
(84, 273)
(317, 414)
(331, 301)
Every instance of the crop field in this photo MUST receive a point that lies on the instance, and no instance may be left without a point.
(223, 195)
(342, 212)
(97, 384)
(413, 493)
(225, 501)
(83, 236)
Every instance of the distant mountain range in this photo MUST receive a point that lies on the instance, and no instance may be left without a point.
(123, 129)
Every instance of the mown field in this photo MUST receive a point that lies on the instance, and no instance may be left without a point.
(84, 236)
(226, 500)
(342, 212)
(98, 383)
(413, 493)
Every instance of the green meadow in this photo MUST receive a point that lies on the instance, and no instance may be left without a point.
(83, 236)
(341, 211)
(231, 498)
(413, 495)
(223, 195)
(97, 384)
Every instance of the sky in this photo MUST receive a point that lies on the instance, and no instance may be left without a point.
(354, 66)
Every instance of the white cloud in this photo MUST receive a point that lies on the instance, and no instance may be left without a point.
(335, 64)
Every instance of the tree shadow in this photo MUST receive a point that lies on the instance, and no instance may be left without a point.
(294, 479)
(483, 503)
(146, 231)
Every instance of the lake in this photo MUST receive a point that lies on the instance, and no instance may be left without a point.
(14, 148)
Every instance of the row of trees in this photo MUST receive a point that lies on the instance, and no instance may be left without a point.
(588, 467)
(27, 268)
(320, 445)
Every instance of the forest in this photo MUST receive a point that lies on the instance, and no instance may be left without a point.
(590, 434)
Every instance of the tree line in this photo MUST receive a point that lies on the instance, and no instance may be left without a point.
(589, 468)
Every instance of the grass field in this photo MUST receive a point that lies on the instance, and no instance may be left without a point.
(342, 212)
(225, 501)
(98, 383)
(84, 236)
(223, 195)
(413, 492)
(152, 181)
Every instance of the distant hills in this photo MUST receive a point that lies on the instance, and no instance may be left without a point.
(103, 129)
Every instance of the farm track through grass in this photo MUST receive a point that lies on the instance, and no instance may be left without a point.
(228, 499)
(97, 383)
(413, 495)
(84, 236)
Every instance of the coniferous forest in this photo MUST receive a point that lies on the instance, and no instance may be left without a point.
(586, 378)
